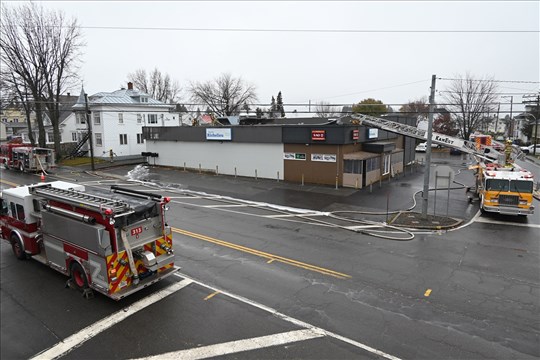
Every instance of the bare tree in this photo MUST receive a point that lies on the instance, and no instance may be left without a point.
(471, 100)
(156, 84)
(41, 49)
(224, 95)
(418, 108)
(325, 110)
(15, 94)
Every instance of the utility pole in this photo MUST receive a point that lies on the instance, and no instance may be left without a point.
(425, 191)
(512, 121)
(90, 137)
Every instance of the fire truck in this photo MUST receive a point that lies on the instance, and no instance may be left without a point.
(26, 157)
(501, 185)
(114, 242)
(504, 189)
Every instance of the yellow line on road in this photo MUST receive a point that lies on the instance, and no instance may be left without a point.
(264, 254)
(428, 292)
(8, 183)
(211, 295)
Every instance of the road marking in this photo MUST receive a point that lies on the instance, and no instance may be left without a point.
(9, 183)
(294, 321)
(428, 292)
(270, 261)
(263, 254)
(211, 295)
(508, 223)
(79, 338)
(233, 347)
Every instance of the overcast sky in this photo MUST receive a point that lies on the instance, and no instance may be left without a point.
(389, 51)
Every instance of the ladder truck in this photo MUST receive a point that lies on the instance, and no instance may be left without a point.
(113, 242)
(501, 185)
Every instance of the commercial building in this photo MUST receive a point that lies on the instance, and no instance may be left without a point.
(308, 151)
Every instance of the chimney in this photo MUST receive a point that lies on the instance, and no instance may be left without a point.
(130, 85)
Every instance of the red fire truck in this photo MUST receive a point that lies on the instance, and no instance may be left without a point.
(26, 157)
(114, 242)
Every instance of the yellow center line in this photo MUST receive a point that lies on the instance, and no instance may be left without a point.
(9, 183)
(428, 292)
(211, 295)
(270, 257)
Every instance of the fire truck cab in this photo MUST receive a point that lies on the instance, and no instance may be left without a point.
(114, 242)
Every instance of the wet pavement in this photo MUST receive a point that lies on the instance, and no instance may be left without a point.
(396, 200)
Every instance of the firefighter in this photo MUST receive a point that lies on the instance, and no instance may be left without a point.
(111, 155)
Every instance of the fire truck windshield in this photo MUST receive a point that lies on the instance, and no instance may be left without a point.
(497, 184)
(521, 186)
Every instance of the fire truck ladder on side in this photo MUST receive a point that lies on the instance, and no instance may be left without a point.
(469, 147)
(80, 199)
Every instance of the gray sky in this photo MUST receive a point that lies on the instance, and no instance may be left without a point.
(396, 46)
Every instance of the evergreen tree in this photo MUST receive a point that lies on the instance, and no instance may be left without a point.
(259, 112)
(279, 105)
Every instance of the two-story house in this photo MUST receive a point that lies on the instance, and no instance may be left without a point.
(117, 119)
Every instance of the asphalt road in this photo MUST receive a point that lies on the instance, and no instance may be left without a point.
(266, 281)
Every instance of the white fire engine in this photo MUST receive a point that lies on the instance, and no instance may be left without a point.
(114, 242)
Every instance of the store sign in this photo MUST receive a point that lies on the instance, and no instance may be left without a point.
(324, 157)
(318, 135)
(356, 134)
(294, 156)
(218, 134)
(373, 133)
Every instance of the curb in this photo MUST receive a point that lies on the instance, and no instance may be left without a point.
(414, 220)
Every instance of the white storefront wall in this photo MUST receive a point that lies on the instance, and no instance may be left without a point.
(242, 159)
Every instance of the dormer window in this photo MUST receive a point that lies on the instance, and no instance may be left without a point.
(144, 99)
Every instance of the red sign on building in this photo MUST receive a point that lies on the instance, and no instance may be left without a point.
(318, 135)
(356, 134)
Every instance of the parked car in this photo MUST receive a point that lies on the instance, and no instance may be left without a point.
(455, 151)
(423, 146)
(530, 149)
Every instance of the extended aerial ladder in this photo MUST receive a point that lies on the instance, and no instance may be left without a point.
(501, 185)
(486, 152)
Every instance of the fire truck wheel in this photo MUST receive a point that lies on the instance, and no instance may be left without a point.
(78, 276)
(17, 247)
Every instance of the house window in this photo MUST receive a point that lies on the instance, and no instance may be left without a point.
(144, 99)
(16, 120)
(74, 136)
(50, 137)
(97, 118)
(99, 141)
(120, 118)
(152, 118)
(123, 139)
(139, 119)
(140, 139)
(80, 118)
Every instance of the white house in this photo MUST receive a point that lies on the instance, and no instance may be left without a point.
(117, 119)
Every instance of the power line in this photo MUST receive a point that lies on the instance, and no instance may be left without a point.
(497, 81)
(291, 30)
